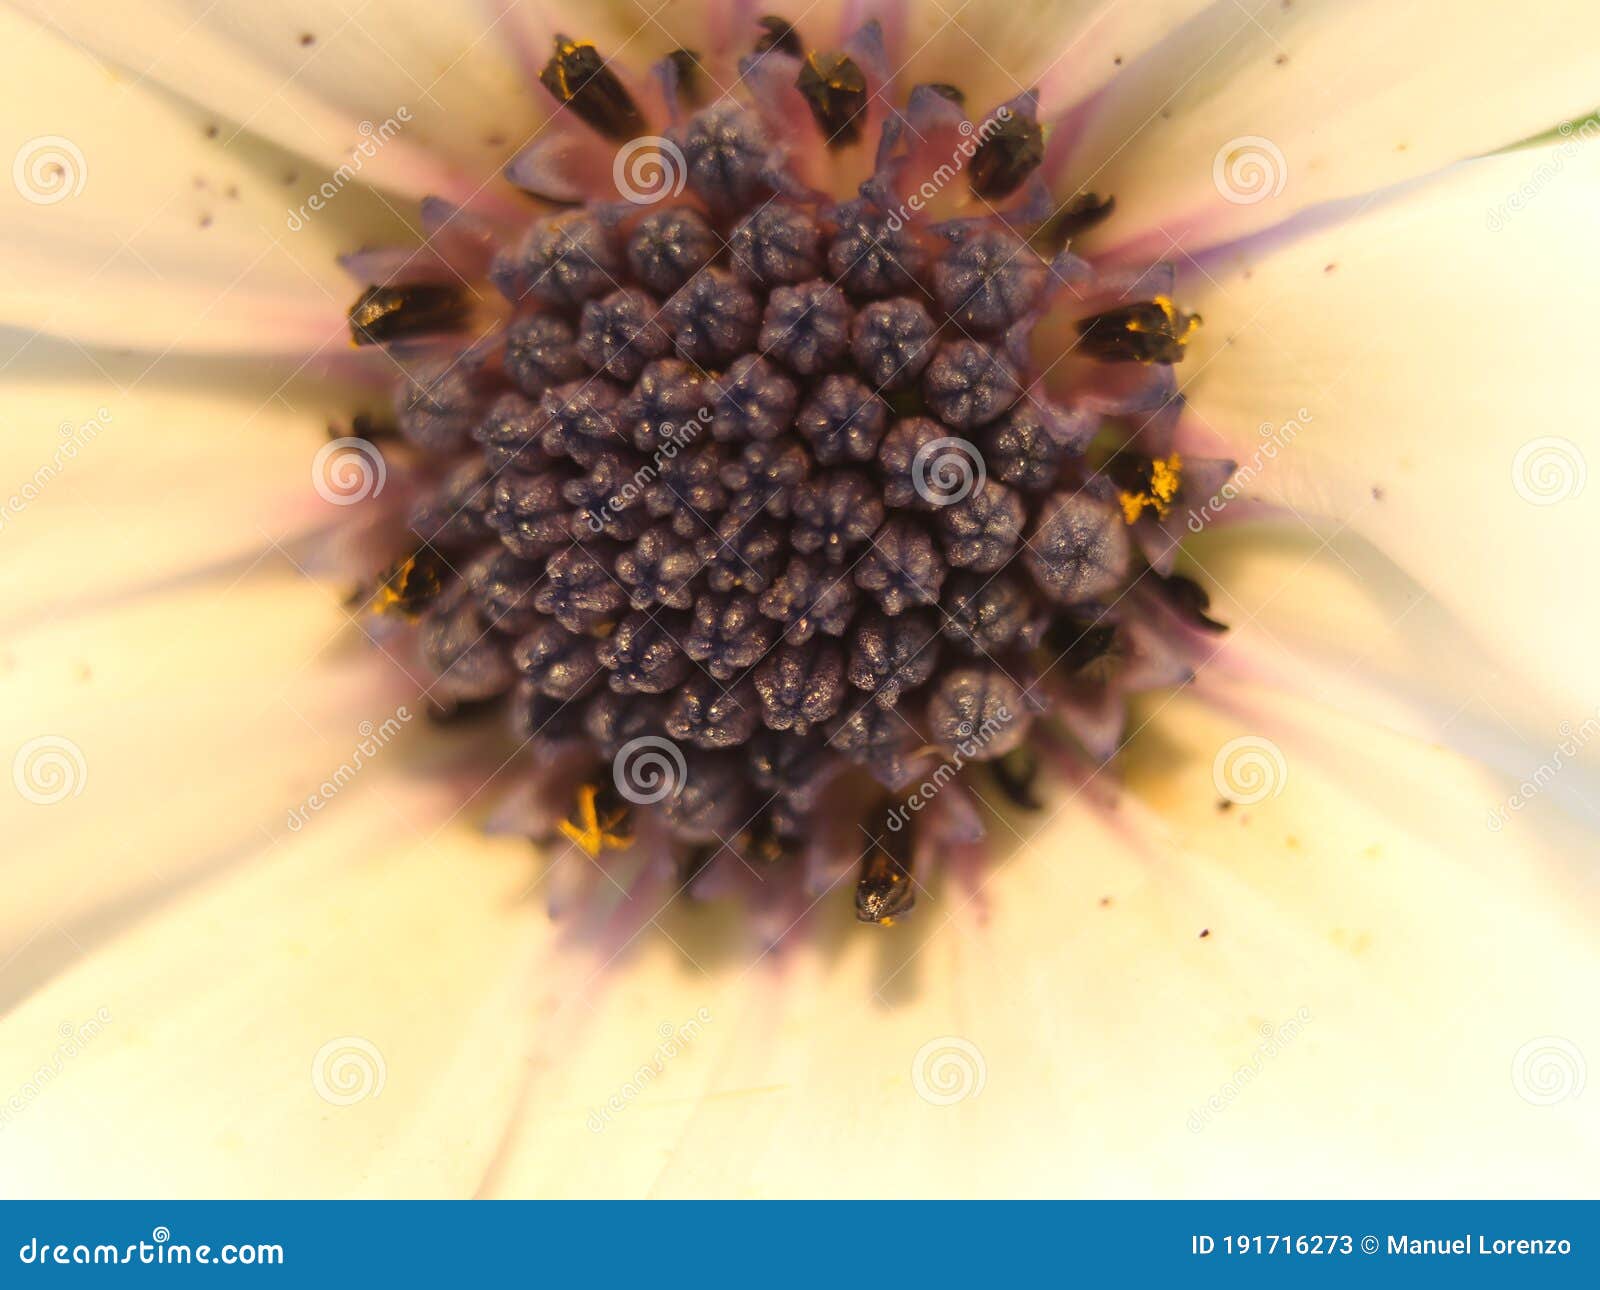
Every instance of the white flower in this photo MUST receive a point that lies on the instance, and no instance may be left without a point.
(1333, 986)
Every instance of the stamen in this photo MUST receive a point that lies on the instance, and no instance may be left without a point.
(1152, 331)
(835, 89)
(884, 891)
(578, 78)
(384, 314)
(1079, 215)
(779, 35)
(1006, 156)
(411, 586)
(599, 820)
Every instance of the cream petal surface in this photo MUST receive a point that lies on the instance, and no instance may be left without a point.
(307, 75)
(1434, 350)
(120, 473)
(133, 220)
(1257, 110)
(1325, 614)
(159, 743)
(1376, 960)
(347, 1016)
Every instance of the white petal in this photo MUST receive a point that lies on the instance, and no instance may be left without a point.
(1329, 616)
(1434, 351)
(1366, 908)
(347, 1016)
(1066, 49)
(158, 744)
(1255, 111)
(459, 79)
(125, 473)
(135, 221)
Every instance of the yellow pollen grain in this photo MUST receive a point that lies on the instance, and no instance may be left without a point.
(594, 835)
(1166, 474)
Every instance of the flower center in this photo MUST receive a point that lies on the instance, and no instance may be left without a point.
(761, 512)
